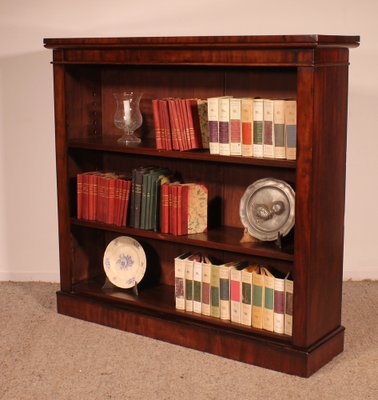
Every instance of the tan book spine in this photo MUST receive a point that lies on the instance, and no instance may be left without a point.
(289, 292)
(206, 276)
(180, 282)
(246, 304)
(291, 129)
(197, 286)
(189, 284)
(235, 295)
(247, 127)
(258, 127)
(279, 129)
(257, 299)
(268, 307)
(224, 292)
(268, 138)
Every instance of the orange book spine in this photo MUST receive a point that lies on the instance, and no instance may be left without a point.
(164, 208)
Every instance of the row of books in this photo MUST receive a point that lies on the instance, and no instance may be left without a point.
(252, 127)
(180, 124)
(155, 203)
(161, 203)
(103, 197)
(246, 294)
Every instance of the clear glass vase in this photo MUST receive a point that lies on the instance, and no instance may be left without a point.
(128, 116)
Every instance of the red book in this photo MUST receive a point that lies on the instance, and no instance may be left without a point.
(166, 126)
(157, 124)
(194, 124)
(102, 198)
(110, 201)
(184, 119)
(164, 208)
(175, 125)
(179, 215)
(85, 196)
(79, 189)
(118, 186)
(173, 208)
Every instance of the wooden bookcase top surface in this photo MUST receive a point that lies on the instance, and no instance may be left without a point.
(284, 41)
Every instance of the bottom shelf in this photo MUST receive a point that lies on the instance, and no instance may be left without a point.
(142, 316)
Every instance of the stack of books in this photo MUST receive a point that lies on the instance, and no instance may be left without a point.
(180, 124)
(183, 208)
(103, 197)
(246, 294)
(252, 127)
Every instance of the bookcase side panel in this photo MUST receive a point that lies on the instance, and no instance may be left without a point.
(62, 177)
(328, 200)
(320, 202)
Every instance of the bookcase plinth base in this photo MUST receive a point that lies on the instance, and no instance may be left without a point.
(251, 349)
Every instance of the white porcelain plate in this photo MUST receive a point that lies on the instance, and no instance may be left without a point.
(124, 262)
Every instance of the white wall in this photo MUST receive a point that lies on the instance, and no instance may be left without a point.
(28, 217)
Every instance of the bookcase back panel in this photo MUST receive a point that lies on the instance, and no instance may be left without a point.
(87, 250)
(83, 102)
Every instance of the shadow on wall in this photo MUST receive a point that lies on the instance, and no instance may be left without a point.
(27, 169)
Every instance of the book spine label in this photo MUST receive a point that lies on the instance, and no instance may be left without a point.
(279, 129)
(291, 129)
(180, 283)
(206, 276)
(268, 312)
(268, 148)
(279, 305)
(246, 304)
(214, 292)
(257, 300)
(188, 285)
(224, 127)
(197, 280)
(235, 127)
(213, 121)
(235, 295)
(224, 286)
(247, 126)
(258, 127)
(289, 290)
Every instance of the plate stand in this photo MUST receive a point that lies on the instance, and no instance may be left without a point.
(109, 285)
(247, 238)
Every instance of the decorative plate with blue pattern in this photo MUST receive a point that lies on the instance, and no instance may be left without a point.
(124, 262)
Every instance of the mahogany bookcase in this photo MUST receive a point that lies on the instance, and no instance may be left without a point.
(313, 69)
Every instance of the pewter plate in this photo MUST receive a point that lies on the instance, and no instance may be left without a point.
(267, 209)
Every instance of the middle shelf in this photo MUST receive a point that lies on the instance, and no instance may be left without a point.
(223, 238)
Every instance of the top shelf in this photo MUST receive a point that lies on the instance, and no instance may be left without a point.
(147, 148)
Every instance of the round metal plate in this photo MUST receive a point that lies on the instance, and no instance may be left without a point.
(267, 209)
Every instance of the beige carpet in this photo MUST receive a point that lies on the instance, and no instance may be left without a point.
(44, 355)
